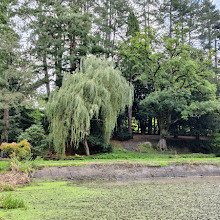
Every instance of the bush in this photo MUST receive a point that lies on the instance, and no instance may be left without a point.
(37, 138)
(193, 145)
(20, 150)
(215, 144)
(25, 166)
(147, 147)
(97, 145)
(123, 135)
(11, 203)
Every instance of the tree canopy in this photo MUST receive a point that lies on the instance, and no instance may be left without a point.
(95, 91)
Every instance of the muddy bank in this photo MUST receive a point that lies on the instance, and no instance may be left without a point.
(126, 172)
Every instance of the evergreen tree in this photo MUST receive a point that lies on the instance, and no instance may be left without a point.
(209, 20)
(133, 25)
(59, 36)
(146, 11)
(110, 19)
(15, 78)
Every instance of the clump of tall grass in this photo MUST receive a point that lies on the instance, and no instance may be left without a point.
(22, 166)
(9, 202)
(6, 187)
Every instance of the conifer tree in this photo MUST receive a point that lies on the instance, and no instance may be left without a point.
(209, 17)
(15, 78)
(110, 18)
(147, 11)
(133, 25)
(59, 36)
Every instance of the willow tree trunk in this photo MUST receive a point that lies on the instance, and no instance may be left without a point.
(162, 144)
(130, 120)
(86, 147)
(4, 136)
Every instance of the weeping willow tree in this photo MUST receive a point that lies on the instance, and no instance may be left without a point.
(95, 90)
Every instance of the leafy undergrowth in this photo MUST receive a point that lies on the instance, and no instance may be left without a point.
(149, 200)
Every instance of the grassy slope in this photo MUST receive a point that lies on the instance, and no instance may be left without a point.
(156, 199)
(122, 156)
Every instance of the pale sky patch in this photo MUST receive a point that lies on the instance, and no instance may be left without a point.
(217, 2)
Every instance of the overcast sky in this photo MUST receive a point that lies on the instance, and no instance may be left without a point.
(217, 2)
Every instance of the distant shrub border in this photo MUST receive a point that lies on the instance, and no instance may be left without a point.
(21, 149)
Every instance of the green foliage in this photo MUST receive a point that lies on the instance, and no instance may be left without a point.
(22, 166)
(9, 202)
(35, 135)
(215, 144)
(209, 18)
(98, 145)
(4, 165)
(20, 150)
(133, 25)
(122, 134)
(147, 147)
(193, 145)
(122, 154)
(96, 90)
(179, 77)
(6, 188)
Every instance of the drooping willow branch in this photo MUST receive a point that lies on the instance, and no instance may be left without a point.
(97, 89)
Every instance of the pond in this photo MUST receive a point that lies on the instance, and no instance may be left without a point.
(165, 198)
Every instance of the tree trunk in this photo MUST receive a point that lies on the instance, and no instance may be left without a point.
(130, 120)
(216, 56)
(143, 127)
(150, 125)
(154, 125)
(162, 144)
(4, 136)
(86, 147)
(197, 136)
(171, 22)
(46, 74)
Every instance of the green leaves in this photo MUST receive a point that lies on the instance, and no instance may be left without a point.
(95, 91)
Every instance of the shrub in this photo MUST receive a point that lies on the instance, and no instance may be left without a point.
(97, 145)
(11, 203)
(37, 138)
(21, 150)
(147, 147)
(22, 166)
(123, 134)
(215, 144)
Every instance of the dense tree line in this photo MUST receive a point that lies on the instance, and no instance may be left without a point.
(168, 50)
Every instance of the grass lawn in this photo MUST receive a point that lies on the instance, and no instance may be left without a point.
(153, 199)
(123, 156)
(4, 166)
